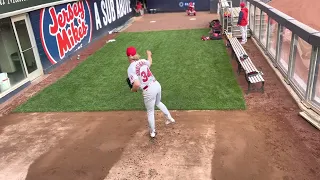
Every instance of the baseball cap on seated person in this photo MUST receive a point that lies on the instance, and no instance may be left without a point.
(242, 4)
(131, 51)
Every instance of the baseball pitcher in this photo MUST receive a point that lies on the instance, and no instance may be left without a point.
(140, 77)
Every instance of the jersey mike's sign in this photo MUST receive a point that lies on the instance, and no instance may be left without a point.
(64, 28)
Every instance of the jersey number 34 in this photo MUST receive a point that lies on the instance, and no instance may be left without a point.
(145, 74)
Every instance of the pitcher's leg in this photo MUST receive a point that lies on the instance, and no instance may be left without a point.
(149, 104)
(163, 108)
(151, 121)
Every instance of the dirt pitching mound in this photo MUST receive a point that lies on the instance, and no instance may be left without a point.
(202, 145)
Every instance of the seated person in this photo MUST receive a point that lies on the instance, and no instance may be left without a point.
(191, 6)
(139, 8)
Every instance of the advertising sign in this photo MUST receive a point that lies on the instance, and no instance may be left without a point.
(62, 30)
(178, 5)
(109, 14)
(185, 4)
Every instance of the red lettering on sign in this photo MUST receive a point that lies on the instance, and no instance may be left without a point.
(76, 34)
(69, 26)
(65, 17)
(63, 42)
(68, 37)
(53, 28)
(71, 16)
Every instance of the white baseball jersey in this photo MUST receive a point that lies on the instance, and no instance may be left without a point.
(140, 70)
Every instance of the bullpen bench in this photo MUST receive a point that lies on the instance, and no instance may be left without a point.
(252, 75)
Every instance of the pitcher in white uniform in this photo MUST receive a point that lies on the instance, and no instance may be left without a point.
(142, 78)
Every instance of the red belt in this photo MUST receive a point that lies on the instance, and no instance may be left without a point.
(144, 88)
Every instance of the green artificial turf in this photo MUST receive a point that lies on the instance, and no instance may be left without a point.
(194, 75)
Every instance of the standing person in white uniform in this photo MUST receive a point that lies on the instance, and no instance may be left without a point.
(142, 78)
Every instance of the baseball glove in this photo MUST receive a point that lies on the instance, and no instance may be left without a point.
(129, 83)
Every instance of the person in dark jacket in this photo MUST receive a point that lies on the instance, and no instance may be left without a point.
(243, 22)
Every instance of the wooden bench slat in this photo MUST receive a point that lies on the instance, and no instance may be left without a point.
(256, 77)
(247, 64)
(251, 66)
(261, 78)
(253, 79)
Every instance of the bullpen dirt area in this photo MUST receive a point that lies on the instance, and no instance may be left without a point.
(267, 141)
(171, 21)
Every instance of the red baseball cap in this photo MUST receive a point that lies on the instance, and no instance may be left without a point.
(131, 51)
(242, 4)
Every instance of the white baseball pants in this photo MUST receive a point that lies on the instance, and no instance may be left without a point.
(243, 30)
(152, 98)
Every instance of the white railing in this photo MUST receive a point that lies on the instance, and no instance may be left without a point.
(292, 47)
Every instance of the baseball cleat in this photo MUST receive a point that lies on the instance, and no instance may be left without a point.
(153, 134)
(170, 120)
